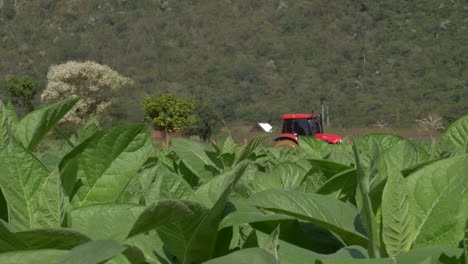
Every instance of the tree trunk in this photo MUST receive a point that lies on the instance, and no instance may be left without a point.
(167, 139)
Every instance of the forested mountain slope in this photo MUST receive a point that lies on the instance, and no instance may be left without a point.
(253, 60)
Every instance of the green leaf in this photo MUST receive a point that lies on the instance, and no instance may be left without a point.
(302, 234)
(397, 216)
(177, 236)
(245, 214)
(51, 212)
(8, 240)
(426, 255)
(168, 185)
(291, 254)
(57, 238)
(151, 246)
(286, 175)
(209, 192)
(328, 168)
(21, 180)
(366, 214)
(10, 111)
(455, 137)
(383, 141)
(194, 157)
(5, 125)
(100, 168)
(323, 211)
(395, 159)
(465, 242)
(440, 201)
(34, 126)
(202, 243)
(341, 186)
(250, 148)
(271, 244)
(106, 221)
(420, 256)
(245, 256)
(229, 146)
(160, 214)
(92, 252)
(45, 256)
(290, 175)
(314, 148)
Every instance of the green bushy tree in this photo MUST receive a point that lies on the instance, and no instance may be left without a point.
(169, 113)
(207, 122)
(22, 89)
(8, 9)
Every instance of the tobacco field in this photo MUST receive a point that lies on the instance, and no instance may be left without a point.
(109, 196)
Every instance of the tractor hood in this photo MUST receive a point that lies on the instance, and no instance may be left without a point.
(330, 138)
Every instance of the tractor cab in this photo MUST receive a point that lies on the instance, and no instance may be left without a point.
(295, 125)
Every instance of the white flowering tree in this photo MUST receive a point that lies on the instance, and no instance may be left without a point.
(97, 86)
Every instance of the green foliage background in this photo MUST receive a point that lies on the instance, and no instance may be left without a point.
(253, 60)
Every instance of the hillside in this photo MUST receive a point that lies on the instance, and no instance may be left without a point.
(253, 60)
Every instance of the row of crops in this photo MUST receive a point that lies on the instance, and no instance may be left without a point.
(109, 196)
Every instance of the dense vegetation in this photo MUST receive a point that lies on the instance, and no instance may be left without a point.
(109, 196)
(252, 60)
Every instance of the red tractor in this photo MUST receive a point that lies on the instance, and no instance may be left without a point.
(295, 125)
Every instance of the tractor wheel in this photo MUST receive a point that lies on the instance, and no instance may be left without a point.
(286, 143)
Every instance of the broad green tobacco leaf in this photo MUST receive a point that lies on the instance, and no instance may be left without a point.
(168, 185)
(106, 221)
(286, 175)
(245, 256)
(44, 256)
(228, 146)
(53, 238)
(323, 211)
(34, 126)
(328, 168)
(194, 157)
(341, 186)
(8, 240)
(292, 254)
(397, 216)
(302, 234)
(51, 212)
(92, 252)
(177, 236)
(250, 149)
(10, 110)
(455, 137)
(245, 214)
(383, 141)
(440, 202)
(315, 148)
(395, 159)
(22, 176)
(201, 246)
(465, 241)
(209, 192)
(5, 125)
(159, 214)
(99, 169)
(364, 203)
(420, 256)
(122, 221)
(271, 244)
